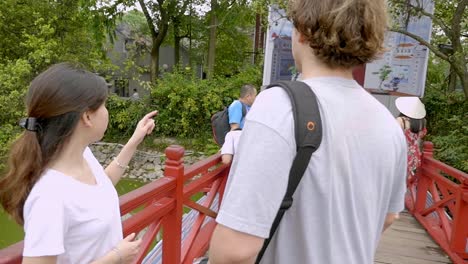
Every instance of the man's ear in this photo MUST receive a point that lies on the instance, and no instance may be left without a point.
(86, 119)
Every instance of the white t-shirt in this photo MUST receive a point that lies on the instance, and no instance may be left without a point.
(353, 180)
(75, 221)
(230, 142)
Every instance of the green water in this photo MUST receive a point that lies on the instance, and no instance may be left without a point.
(11, 233)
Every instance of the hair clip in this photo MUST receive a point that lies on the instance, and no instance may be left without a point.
(29, 123)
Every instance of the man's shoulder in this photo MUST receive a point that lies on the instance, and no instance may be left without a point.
(271, 102)
(235, 103)
(233, 134)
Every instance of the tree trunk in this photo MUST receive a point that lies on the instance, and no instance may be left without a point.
(257, 38)
(212, 41)
(177, 51)
(461, 71)
(177, 38)
(452, 80)
(154, 70)
(460, 68)
(157, 42)
(458, 59)
(464, 82)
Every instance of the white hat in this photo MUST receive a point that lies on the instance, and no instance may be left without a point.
(411, 107)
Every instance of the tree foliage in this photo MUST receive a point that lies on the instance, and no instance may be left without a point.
(447, 115)
(36, 34)
(157, 14)
(187, 103)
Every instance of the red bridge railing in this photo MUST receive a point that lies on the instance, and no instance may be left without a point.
(158, 206)
(438, 203)
(438, 198)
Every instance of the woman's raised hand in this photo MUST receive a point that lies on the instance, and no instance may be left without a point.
(144, 127)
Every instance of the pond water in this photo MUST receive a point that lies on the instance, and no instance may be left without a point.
(11, 233)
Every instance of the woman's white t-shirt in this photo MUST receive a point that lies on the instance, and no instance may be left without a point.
(77, 222)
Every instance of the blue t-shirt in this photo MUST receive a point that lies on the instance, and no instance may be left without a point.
(235, 113)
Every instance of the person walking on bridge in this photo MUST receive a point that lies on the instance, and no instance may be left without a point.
(354, 185)
(239, 108)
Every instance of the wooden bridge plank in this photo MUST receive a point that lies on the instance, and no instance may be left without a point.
(406, 242)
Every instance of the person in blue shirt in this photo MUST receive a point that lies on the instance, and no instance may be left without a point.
(246, 99)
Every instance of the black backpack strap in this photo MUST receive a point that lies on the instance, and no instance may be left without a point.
(308, 133)
(244, 109)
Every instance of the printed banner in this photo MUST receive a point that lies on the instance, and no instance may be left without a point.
(279, 61)
(402, 69)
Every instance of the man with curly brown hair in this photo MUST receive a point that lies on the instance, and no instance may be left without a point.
(354, 185)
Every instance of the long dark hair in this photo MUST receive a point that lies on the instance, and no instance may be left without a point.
(56, 99)
(416, 125)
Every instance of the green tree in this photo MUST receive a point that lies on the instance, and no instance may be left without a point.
(157, 14)
(36, 34)
(157, 18)
(213, 17)
(230, 43)
(181, 20)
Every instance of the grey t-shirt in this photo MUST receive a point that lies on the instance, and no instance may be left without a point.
(353, 180)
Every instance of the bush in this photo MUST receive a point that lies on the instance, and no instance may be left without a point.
(14, 79)
(186, 104)
(124, 115)
(452, 148)
(447, 116)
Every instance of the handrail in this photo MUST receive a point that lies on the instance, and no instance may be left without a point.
(158, 206)
(202, 166)
(441, 205)
(12, 254)
(151, 191)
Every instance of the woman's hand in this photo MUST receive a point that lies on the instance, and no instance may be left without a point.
(128, 249)
(117, 167)
(144, 127)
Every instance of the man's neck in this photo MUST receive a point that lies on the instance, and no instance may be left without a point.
(242, 101)
(315, 71)
(312, 67)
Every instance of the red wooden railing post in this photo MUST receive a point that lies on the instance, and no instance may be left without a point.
(428, 149)
(423, 181)
(459, 242)
(172, 223)
(12, 254)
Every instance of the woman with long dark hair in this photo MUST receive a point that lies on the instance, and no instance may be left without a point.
(411, 120)
(54, 186)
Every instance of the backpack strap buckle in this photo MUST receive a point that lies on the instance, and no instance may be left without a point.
(287, 203)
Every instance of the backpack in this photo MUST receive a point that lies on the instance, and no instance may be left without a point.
(308, 134)
(220, 124)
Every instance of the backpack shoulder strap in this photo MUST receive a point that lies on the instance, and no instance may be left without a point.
(308, 134)
(244, 109)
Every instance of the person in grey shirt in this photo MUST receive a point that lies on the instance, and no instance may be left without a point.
(354, 185)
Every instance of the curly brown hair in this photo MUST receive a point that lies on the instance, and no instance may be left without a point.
(342, 33)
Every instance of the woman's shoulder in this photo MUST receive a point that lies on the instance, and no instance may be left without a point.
(50, 183)
(92, 160)
(49, 189)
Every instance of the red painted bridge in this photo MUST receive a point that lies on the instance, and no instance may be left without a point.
(437, 206)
